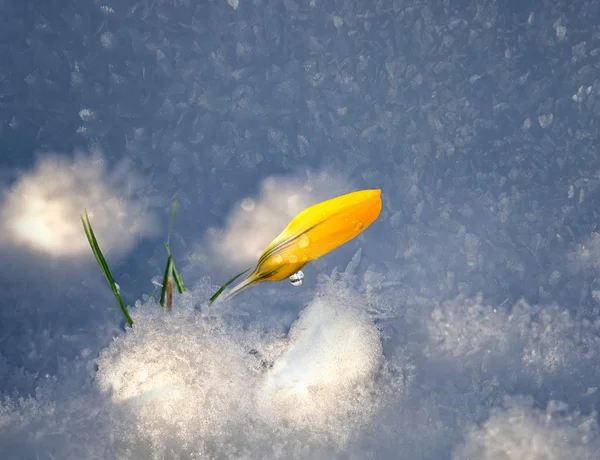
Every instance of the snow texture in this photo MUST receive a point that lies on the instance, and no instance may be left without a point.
(463, 324)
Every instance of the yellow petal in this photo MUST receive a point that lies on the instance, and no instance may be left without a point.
(314, 232)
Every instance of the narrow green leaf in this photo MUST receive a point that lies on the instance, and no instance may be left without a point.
(222, 288)
(177, 278)
(89, 238)
(89, 232)
(165, 278)
(104, 265)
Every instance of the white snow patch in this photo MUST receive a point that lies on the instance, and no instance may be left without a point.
(518, 432)
(535, 340)
(41, 210)
(333, 351)
(187, 379)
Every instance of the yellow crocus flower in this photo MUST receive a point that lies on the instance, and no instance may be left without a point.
(314, 232)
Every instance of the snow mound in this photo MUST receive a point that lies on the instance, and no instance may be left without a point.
(187, 379)
(322, 380)
(520, 432)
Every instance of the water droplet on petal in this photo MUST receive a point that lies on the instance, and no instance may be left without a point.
(297, 278)
(359, 226)
(279, 259)
(292, 259)
(304, 241)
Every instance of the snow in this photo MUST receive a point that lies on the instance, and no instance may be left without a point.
(191, 383)
(463, 324)
(321, 382)
(517, 431)
(40, 211)
(188, 379)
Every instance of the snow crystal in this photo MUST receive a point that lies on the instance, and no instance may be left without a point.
(545, 120)
(108, 40)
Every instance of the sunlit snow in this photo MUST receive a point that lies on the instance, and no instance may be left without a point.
(41, 210)
(464, 324)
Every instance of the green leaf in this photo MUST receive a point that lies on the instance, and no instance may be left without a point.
(170, 268)
(222, 288)
(165, 278)
(89, 233)
(177, 278)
